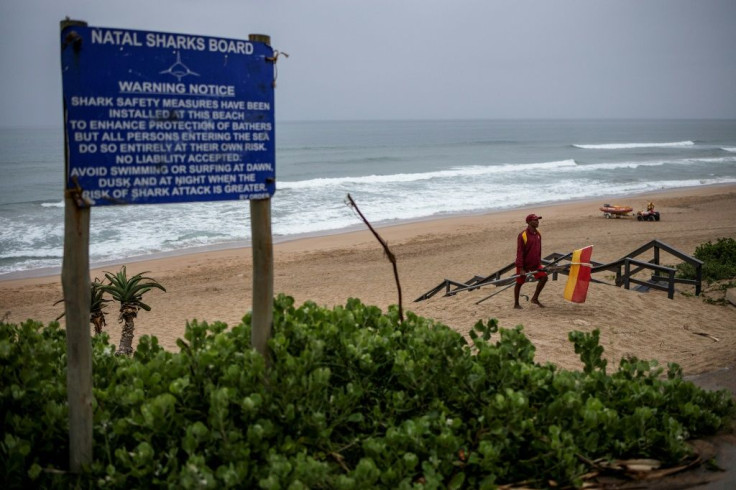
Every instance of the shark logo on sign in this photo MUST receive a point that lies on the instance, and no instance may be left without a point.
(179, 69)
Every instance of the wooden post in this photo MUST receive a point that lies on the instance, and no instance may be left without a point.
(262, 246)
(76, 285)
(76, 288)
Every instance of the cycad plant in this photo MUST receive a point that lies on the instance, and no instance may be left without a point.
(129, 291)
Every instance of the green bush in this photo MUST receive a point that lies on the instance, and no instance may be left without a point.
(719, 261)
(352, 398)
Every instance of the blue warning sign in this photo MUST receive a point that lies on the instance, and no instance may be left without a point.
(154, 117)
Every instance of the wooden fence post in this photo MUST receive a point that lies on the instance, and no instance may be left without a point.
(262, 246)
(76, 286)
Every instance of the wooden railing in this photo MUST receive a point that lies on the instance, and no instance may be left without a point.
(625, 272)
(625, 268)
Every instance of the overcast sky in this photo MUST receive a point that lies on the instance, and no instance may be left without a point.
(421, 59)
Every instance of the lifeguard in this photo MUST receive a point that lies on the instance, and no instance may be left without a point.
(529, 260)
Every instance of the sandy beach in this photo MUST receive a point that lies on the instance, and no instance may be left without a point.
(216, 285)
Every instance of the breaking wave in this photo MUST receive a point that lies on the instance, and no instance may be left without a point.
(624, 146)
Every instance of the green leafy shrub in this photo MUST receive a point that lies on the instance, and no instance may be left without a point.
(719, 261)
(352, 399)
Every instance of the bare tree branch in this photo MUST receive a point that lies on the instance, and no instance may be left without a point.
(388, 252)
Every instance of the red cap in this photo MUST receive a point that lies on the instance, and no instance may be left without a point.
(532, 217)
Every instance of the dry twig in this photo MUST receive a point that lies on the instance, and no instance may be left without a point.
(388, 252)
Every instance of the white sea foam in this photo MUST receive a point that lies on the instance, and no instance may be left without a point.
(729, 148)
(624, 146)
(59, 204)
(47, 253)
(468, 171)
(716, 160)
(654, 163)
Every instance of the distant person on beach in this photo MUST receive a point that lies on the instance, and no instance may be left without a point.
(529, 259)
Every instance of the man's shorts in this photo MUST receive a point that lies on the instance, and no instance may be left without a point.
(537, 275)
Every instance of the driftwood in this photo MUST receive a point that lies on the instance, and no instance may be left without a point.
(703, 334)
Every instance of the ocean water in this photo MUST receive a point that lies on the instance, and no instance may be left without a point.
(395, 170)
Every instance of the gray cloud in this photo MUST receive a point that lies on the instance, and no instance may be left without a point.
(417, 59)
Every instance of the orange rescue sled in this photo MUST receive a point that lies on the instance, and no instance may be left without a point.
(615, 211)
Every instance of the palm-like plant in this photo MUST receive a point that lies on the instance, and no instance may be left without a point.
(96, 306)
(129, 291)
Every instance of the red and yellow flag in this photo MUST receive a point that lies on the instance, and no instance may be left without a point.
(576, 288)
